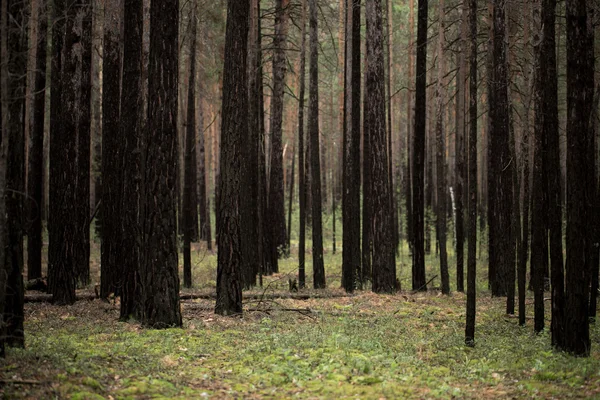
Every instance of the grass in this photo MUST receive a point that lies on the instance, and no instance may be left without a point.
(360, 346)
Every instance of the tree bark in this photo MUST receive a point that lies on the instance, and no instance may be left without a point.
(418, 170)
(132, 105)
(159, 270)
(579, 190)
(301, 160)
(112, 151)
(234, 131)
(315, 165)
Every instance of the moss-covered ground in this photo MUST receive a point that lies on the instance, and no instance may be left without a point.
(408, 345)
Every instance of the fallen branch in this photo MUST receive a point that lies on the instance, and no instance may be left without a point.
(425, 285)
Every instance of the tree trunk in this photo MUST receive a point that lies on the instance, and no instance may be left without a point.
(131, 128)
(301, 161)
(351, 256)
(579, 188)
(35, 168)
(112, 152)
(62, 224)
(159, 270)
(441, 155)
(418, 170)
(276, 188)
(315, 165)
(472, 180)
(234, 132)
(384, 263)
(190, 188)
(12, 332)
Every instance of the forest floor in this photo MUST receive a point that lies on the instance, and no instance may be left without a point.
(328, 346)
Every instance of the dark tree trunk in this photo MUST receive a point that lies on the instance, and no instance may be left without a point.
(84, 71)
(579, 189)
(276, 189)
(384, 265)
(159, 270)
(351, 257)
(418, 170)
(205, 233)
(12, 333)
(112, 151)
(190, 188)
(441, 156)
(234, 132)
(459, 152)
(251, 240)
(131, 134)
(555, 212)
(301, 160)
(35, 168)
(472, 180)
(315, 165)
(501, 165)
(291, 199)
(4, 120)
(62, 223)
(539, 209)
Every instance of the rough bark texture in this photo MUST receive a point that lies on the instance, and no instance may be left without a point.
(301, 158)
(233, 136)
(84, 69)
(62, 226)
(35, 168)
(460, 156)
(472, 180)
(315, 164)
(384, 265)
(418, 170)
(351, 257)
(500, 173)
(12, 333)
(112, 151)
(131, 134)
(190, 188)
(276, 188)
(441, 213)
(579, 190)
(555, 211)
(251, 239)
(159, 267)
(4, 120)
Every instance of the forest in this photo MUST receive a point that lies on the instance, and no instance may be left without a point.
(299, 199)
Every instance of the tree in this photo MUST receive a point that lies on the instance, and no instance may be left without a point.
(12, 333)
(460, 156)
(441, 156)
(579, 190)
(472, 179)
(4, 112)
(159, 267)
(276, 189)
(62, 222)
(500, 172)
(418, 170)
(301, 160)
(131, 134)
(384, 264)
(234, 131)
(112, 150)
(190, 193)
(35, 168)
(315, 165)
(539, 211)
(351, 257)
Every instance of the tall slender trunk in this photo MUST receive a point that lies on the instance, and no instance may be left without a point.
(418, 170)
(313, 132)
(301, 161)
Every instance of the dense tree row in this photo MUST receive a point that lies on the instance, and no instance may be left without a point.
(204, 108)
